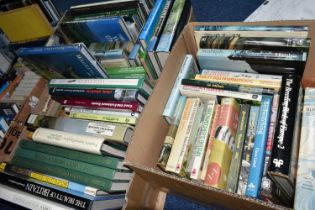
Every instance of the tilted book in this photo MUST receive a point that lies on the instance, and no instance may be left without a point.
(258, 154)
(63, 61)
(188, 67)
(305, 179)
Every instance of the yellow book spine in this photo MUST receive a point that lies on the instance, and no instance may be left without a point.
(106, 118)
(49, 179)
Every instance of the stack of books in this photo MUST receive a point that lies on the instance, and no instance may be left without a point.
(235, 124)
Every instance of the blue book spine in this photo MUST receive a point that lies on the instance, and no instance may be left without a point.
(188, 67)
(258, 153)
(149, 27)
(27, 51)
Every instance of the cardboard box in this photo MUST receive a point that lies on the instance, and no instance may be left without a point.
(144, 150)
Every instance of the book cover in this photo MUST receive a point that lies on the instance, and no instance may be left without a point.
(223, 144)
(258, 153)
(247, 150)
(19, 29)
(141, 84)
(304, 188)
(117, 133)
(188, 68)
(63, 61)
(283, 161)
(235, 166)
(171, 133)
(186, 132)
(253, 61)
(198, 151)
(242, 78)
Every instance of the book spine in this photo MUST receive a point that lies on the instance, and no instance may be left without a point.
(210, 143)
(267, 186)
(169, 30)
(171, 133)
(223, 144)
(69, 109)
(208, 93)
(185, 123)
(235, 166)
(251, 28)
(43, 191)
(75, 165)
(97, 94)
(105, 118)
(247, 150)
(304, 181)
(258, 155)
(149, 26)
(188, 67)
(198, 152)
(104, 161)
(280, 159)
(64, 173)
(99, 104)
(240, 78)
(84, 143)
(27, 200)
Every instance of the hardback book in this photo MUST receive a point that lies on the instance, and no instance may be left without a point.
(117, 106)
(58, 182)
(177, 19)
(150, 25)
(73, 164)
(118, 94)
(258, 155)
(198, 150)
(63, 61)
(186, 133)
(58, 195)
(237, 42)
(223, 144)
(116, 133)
(268, 188)
(171, 133)
(20, 29)
(141, 84)
(110, 50)
(210, 142)
(103, 161)
(235, 166)
(127, 73)
(241, 78)
(284, 152)
(304, 188)
(253, 61)
(247, 150)
(83, 178)
(188, 68)
(84, 143)
(24, 199)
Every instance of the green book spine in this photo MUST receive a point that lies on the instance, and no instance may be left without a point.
(64, 173)
(88, 168)
(235, 166)
(126, 70)
(105, 161)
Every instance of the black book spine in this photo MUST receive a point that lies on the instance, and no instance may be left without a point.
(281, 151)
(47, 192)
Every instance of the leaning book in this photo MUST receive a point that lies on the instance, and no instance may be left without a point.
(305, 181)
(63, 61)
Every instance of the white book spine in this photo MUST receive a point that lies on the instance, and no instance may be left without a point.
(84, 143)
(201, 143)
(210, 93)
(123, 82)
(188, 66)
(103, 112)
(28, 200)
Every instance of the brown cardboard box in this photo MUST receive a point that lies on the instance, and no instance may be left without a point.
(144, 150)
